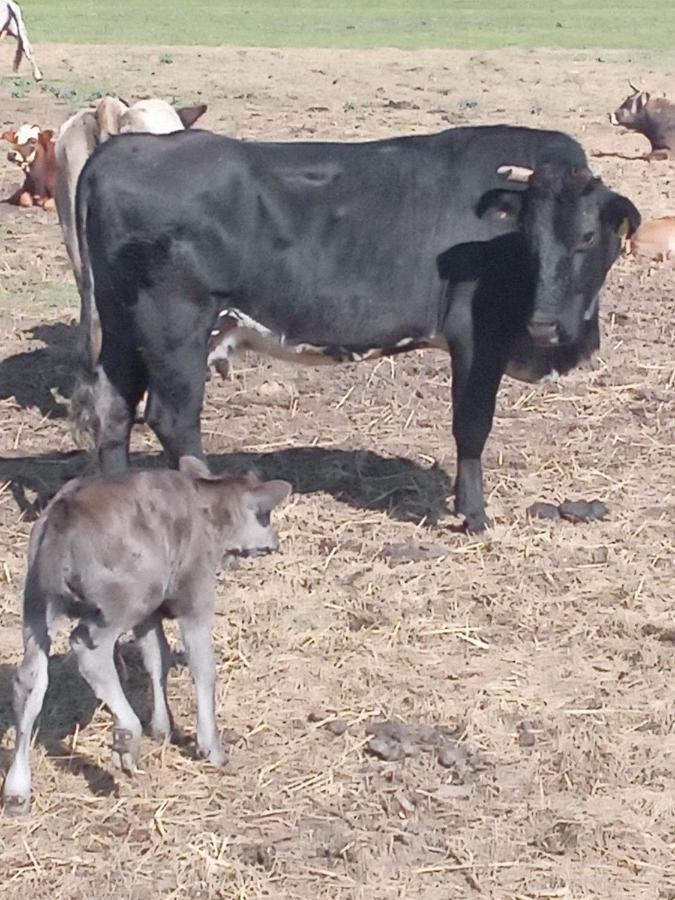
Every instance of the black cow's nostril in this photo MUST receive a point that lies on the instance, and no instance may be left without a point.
(544, 334)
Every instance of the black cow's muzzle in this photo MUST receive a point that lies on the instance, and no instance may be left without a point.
(544, 334)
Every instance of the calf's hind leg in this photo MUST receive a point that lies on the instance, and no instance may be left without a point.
(93, 648)
(30, 685)
(156, 655)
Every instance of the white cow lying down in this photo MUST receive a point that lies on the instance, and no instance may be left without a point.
(82, 133)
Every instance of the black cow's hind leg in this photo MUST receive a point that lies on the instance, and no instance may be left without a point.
(175, 398)
(121, 379)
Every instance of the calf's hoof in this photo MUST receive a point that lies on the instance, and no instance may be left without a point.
(16, 805)
(216, 755)
(125, 749)
(161, 731)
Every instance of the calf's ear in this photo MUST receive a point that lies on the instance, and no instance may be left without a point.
(107, 116)
(46, 137)
(271, 494)
(189, 114)
(622, 216)
(195, 468)
(9, 136)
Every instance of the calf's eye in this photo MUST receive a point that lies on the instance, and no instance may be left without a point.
(263, 518)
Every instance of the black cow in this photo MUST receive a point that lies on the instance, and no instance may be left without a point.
(492, 242)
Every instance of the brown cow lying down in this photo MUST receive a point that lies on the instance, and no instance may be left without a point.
(121, 553)
(654, 239)
(33, 151)
(78, 138)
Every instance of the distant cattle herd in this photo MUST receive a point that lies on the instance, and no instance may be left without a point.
(491, 243)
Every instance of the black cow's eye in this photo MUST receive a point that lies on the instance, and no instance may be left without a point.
(587, 240)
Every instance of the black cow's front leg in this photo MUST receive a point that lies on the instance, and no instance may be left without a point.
(473, 411)
(478, 363)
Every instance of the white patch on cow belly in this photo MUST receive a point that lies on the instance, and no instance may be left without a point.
(236, 332)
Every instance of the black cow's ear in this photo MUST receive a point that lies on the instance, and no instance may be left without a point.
(500, 205)
(189, 114)
(622, 215)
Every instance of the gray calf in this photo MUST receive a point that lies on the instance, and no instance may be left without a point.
(120, 553)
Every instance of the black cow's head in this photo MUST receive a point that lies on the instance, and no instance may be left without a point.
(573, 227)
(603, 219)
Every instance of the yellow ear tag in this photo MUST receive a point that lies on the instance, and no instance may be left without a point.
(623, 229)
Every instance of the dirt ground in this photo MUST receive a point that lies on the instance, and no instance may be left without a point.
(545, 650)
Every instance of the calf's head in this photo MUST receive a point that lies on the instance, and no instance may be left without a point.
(573, 228)
(238, 509)
(633, 112)
(26, 143)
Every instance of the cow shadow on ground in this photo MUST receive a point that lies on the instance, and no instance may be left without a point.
(35, 377)
(399, 487)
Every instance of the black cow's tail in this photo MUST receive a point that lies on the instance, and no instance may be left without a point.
(84, 420)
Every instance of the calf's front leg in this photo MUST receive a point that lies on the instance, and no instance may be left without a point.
(196, 634)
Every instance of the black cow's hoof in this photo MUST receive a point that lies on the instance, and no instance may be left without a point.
(474, 523)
